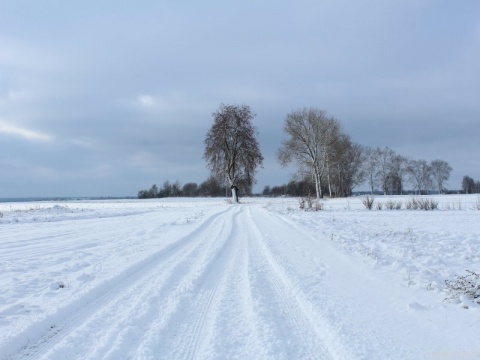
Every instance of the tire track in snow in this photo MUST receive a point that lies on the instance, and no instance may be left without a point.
(175, 290)
(281, 310)
(164, 289)
(351, 330)
(228, 288)
(224, 320)
(217, 320)
(45, 334)
(187, 331)
(239, 330)
(315, 333)
(198, 335)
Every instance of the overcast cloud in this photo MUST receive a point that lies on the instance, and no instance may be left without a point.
(104, 98)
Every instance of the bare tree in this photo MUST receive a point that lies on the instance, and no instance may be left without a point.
(231, 149)
(332, 145)
(371, 166)
(349, 160)
(420, 175)
(310, 142)
(385, 157)
(166, 189)
(176, 189)
(468, 185)
(148, 194)
(211, 188)
(396, 174)
(440, 173)
(190, 189)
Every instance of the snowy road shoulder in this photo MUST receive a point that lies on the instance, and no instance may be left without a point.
(368, 306)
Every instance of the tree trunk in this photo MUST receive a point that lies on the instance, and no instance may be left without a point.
(234, 194)
(318, 186)
(328, 179)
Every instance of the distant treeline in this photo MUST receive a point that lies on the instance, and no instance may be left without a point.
(213, 188)
(293, 188)
(209, 188)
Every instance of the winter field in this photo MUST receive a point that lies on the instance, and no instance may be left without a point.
(202, 279)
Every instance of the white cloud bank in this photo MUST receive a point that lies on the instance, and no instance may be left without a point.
(27, 134)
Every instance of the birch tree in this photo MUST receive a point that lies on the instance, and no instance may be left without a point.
(420, 175)
(371, 166)
(331, 143)
(385, 157)
(310, 139)
(349, 161)
(396, 175)
(468, 185)
(231, 148)
(440, 173)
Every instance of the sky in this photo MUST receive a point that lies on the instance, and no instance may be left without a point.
(105, 98)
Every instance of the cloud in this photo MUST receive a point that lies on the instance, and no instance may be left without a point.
(143, 160)
(170, 107)
(23, 133)
(146, 101)
(84, 143)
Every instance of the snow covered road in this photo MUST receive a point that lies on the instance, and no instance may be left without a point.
(208, 281)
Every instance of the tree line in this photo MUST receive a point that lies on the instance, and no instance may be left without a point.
(470, 186)
(328, 161)
(326, 156)
(383, 171)
(209, 188)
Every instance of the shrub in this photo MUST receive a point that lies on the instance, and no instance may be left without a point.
(421, 204)
(428, 204)
(467, 285)
(304, 203)
(308, 203)
(412, 204)
(318, 205)
(392, 205)
(379, 206)
(368, 201)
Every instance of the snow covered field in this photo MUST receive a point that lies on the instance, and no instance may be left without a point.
(201, 279)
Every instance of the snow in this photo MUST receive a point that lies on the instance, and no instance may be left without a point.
(203, 279)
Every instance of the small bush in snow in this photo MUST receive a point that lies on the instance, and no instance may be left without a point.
(308, 203)
(379, 206)
(368, 201)
(412, 204)
(421, 204)
(467, 285)
(393, 205)
(428, 204)
(318, 205)
(302, 203)
(433, 204)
